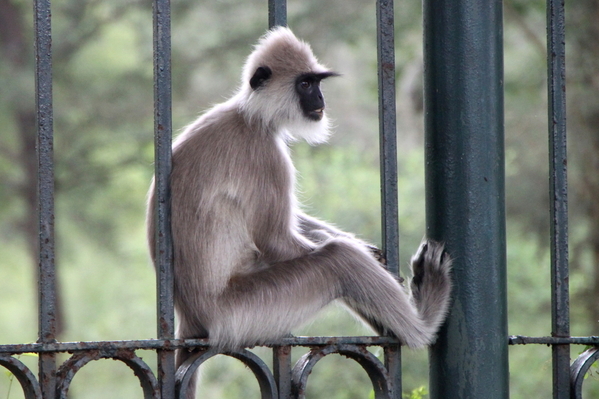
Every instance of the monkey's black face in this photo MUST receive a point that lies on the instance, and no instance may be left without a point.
(307, 86)
(311, 100)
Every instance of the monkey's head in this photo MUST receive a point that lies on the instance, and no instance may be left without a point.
(281, 87)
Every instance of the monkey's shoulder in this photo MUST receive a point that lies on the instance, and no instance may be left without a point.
(210, 138)
(222, 145)
(221, 121)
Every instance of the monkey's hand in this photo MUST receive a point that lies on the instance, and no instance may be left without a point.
(377, 253)
(380, 257)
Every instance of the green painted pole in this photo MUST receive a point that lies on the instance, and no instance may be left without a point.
(465, 200)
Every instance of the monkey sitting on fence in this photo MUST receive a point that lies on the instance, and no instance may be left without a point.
(249, 264)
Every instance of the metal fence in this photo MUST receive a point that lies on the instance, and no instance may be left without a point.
(464, 155)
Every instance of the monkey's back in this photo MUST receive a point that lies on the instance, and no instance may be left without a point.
(230, 196)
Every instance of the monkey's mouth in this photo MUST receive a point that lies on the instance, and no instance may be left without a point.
(317, 114)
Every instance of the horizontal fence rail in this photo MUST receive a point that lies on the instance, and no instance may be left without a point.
(270, 386)
(187, 343)
(291, 341)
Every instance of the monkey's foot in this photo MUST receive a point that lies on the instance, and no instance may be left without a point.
(431, 262)
(431, 284)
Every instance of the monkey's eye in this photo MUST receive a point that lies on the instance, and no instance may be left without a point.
(305, 84)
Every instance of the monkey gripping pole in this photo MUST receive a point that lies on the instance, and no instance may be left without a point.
(465, 192)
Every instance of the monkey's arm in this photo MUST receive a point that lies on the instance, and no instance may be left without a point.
(318, 231)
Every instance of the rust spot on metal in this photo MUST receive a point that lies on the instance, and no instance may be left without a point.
(125, 354)
(165, 326)
(284, 350)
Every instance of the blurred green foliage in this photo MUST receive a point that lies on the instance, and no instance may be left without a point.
(103, 126)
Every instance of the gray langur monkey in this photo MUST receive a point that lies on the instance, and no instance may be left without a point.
(249, 264)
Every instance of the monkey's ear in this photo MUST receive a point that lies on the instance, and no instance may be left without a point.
(261, 75)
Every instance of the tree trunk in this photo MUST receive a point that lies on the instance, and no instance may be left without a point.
(584, 127)
(17, 52)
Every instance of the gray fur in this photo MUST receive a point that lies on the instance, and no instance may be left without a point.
(249, 265)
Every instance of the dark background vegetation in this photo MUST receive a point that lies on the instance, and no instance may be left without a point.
(104, 149)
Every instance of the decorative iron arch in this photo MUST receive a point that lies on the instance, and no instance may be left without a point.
(374, 368)
(31, 388)
(67, 371)
(266, 381)
(579, 369)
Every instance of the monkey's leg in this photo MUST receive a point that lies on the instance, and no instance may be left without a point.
(269, 303)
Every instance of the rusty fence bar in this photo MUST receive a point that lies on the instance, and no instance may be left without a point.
(387, 132)
(291, 341)
(277, 13)
(567, 379)
(153, 344)
(45, 153)
(388, 164)
(281, 353)
(556, 85)
(163, 164)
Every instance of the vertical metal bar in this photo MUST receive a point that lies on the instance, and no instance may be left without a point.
(163, 165)
(45, 153)
(464, 151)
(282, 370)
(393, 366)
(388, 163)
(560, 318)
(277, 13)
(387, 132)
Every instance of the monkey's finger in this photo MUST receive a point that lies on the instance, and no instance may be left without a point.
(378, 254)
